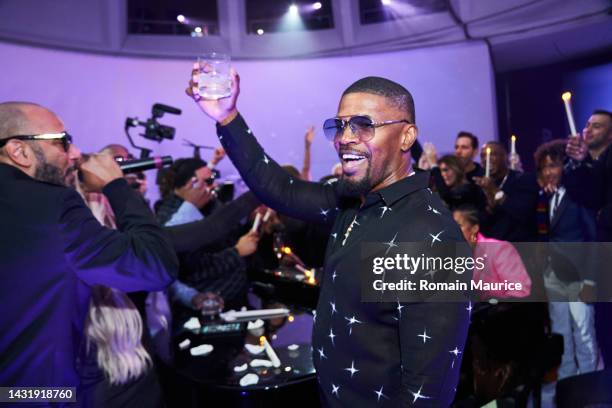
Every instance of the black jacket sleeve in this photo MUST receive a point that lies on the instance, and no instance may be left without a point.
(271, 184)
(214, 228)
(136, 257)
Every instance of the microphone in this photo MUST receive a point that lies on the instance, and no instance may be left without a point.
(135, 166)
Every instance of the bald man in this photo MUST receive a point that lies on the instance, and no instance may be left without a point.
(53, 250)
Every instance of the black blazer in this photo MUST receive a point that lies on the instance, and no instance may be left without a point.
(515, 219)
(51, 250)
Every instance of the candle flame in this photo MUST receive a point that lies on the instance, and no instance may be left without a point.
(290, 318)
(286, 250)
(262, 340)
(513, 137)
(566, 96)
(488, 150)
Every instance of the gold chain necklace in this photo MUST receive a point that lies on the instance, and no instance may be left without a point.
(349, 229)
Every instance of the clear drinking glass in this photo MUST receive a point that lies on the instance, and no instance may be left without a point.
(214, 81)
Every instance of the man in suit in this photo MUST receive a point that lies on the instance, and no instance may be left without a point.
(53, 249)
(511, 198)
(570, 277)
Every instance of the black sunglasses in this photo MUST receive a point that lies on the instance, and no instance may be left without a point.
(64, 137)
(361, 126)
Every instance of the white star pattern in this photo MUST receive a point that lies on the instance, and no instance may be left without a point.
(384, 210)
(334, 236)
(399, 309)
(430, 273)
(424, 336)
(334, 276)
(265, 159)
(469, 308)
(249, 131)
(433, 210)
(333, 308)
(435, 237)
(321, 353)
(352, 369)
(390, 244)
(417, 395)
(351, 322)
(456, 353)
(331, 335)
(335, 390)
(291, 181)
(324, 212)
(380, 394)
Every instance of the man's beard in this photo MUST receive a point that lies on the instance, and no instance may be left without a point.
(50, 173)
(355, 189)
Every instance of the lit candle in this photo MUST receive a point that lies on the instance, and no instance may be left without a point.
(270, 352)
(567, 96)
(512, 151)
(256, 222)
(488, 163)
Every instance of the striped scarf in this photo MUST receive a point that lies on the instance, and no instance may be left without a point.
(542, 215)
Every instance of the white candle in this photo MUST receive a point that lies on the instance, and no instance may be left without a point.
(512, 151)
(567, 96)
(256, 222)
(488, 163)
(270, 353)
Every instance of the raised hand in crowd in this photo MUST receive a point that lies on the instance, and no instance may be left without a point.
(490, 189)
(576, 148)
(196, 192)
(515, 162)
(430, 157)
(247, 244)
(221, 110)
(98, 170)
(308, 138)
(218, 155)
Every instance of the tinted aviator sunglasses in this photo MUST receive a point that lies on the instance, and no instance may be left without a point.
(64, 137)
(361, 126)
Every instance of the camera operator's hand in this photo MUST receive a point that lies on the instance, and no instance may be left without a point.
(98, 170)
(576, 148)
(247, 244)
(196, 192)
(222, 110)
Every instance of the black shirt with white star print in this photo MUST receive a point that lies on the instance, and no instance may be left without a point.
(366, 354)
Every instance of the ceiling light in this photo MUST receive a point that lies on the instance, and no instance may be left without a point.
(198, 30)
(317, 5)
(260, 31)
(293, 10)
(180, 18)
(386, 2)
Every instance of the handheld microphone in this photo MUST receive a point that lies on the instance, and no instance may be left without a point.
(135, 166)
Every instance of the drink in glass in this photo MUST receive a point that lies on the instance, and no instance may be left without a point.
(214, 81)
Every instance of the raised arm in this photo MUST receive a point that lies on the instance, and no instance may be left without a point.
(270, 183)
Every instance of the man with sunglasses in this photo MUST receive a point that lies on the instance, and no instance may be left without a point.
(388, 353)
(53, 249)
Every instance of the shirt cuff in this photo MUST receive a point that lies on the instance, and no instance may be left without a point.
(186, 213)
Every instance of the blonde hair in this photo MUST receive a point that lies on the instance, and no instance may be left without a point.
(115, 327)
